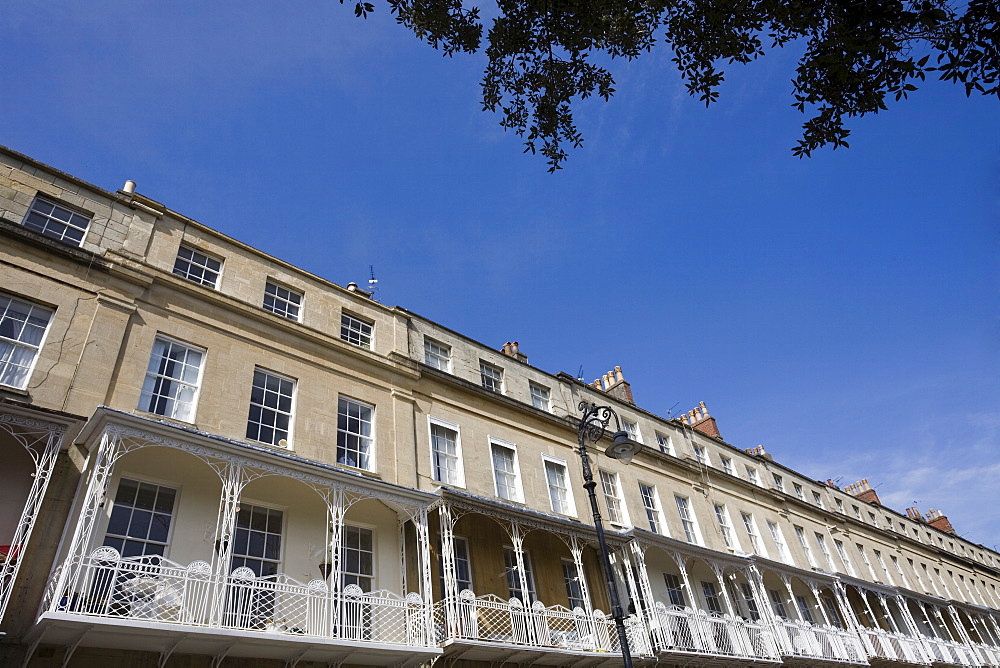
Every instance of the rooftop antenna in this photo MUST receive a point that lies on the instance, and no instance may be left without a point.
(372, 282)
(579, 374)
(670, 411)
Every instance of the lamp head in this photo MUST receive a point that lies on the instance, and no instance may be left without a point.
(622, 447)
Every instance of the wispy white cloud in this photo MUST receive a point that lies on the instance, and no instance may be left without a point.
(950, 465)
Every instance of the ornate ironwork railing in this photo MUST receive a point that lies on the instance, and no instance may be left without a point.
(989, 655)
(825, 643)
(894, 646)
(153, 588)
(682, 629)
(492, 619)
(953, 653)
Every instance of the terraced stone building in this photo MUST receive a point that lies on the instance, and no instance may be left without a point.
(212, 458)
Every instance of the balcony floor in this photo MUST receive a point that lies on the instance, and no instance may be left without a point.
(497, 653)
(62, 628)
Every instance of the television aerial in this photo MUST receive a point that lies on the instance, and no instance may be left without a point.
(372, 282)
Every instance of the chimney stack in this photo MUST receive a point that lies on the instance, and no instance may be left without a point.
(514, 350)
(939, 521)
(614, 383)
(862, 491)
(698, 419)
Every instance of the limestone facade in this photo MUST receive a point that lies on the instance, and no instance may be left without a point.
(216, 458)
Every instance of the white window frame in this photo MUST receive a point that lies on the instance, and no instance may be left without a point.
(778, 538)
(821, 542)
(867, 562)
(842, 551)
(818, 499)
(689, 521)
(570, 510)
(899, 569)
(352, 330)
(461, 556)
(510, 571)
(752, 475)
(277, 410)
(778, 604)
(17, 344)
(51, 221)
(700, 453)
(779, 483)
(287, 305)
(125, 537)
(654, 509)
(371, 438)
(612, 487)
(632, 429)
(359, 575)
(572, 577)
(675, 590)
(203, 264)
(753, 533)
(666, 443)
(439, 352)
(540, 395)
(714, 602)
(800, 533)
(799, 491)
(491, 377)
(727, 464)
(885, 569)
(726, 527)
(433, 422)
(156, 378)
(805, 613)
(516, 473)
(248, 506)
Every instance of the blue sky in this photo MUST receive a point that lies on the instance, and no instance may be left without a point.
(840, 310)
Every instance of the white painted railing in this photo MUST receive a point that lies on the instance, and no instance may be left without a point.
(825, 643)
(894, 646)
(988, 655)
(153, 588)
(949, 652)
(490, 618)
(682, 629)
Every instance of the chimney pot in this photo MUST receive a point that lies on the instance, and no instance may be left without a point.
(619, 377)
(129, 187)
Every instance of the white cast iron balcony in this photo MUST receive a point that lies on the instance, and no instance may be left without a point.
(682, 630)
(491, 619)
(153, 589)
(989, 655)
(890, 646)
(953, 653)
(820, 643)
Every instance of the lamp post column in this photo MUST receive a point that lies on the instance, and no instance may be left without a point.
(616, 608)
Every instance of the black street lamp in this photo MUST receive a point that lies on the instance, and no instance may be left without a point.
(593, 425)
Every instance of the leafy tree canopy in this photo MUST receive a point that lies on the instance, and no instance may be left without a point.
(857, 54)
